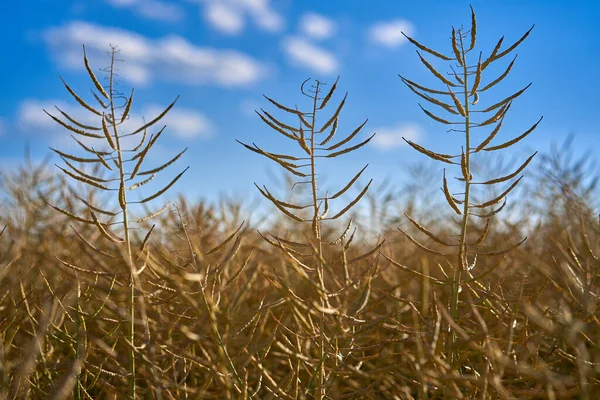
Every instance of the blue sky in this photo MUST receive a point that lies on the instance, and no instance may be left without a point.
(221, 56)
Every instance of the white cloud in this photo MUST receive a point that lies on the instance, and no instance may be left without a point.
(225, 18)
(171, 58)
(229, 16)
(305, 54)
(388, 138)
(151, 9)
(317, 26)
(389, 33)
(184, 123)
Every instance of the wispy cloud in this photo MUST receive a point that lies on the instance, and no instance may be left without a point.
(304, 54)
(151, 9)
(317, 26)
(171, 58)
(230, 16)
(185, 124)
(389, 33)
(388, 138)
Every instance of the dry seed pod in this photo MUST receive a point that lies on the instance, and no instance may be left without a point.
(509, 176)
(80, 100)
(329, 94)
(446, 158)
(427, 232)
(463, 165)
(282, 128)
(77, 123)
(515, 45)
(457, 77)
(127, 107)
(72, 128)
(515, 140)
(335, 116)
(349, 185)
(455, 48)
(477, 78)
(491, 135)
(424, 48)
(493, 54)
(433, 100)
(498, 198)
(449, 196)
(107, 133)
(331, 134)
(422, 246)
(493, 212)
(93, 76)
(473, 29)
(343, 236)
(434, 117)
(501, 77)
(408, 82)
(503, 251)
(499, 114)
(506, 100)
(458, 104)
(483, 235)
(435, 72)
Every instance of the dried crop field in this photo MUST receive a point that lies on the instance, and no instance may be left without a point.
(492, 295)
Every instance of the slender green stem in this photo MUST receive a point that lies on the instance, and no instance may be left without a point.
(462, 252)
(78, 344)
(132, 386)
(317, 234)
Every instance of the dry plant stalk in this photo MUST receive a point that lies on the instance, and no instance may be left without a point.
(307, 258)
(200, 276)
(123, 165)
(458, 102)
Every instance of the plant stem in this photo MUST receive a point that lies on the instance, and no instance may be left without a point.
(78, 344)
(317, 234)
(132, 387)
(462, 252)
